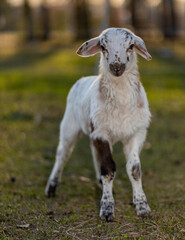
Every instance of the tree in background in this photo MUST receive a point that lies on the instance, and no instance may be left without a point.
(106, 17)
(28, 15)
(133, 11)
(3, 9)
(82, 19)
(169, 18)
(45, 21)
(139, 10)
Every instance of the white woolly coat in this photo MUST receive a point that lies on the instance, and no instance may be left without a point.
(116, 106)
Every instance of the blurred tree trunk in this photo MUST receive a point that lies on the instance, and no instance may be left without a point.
(82, 19)
(45, 21)
(28, 20)
(106, 18)
(169, 18)
(104, 24)
(3, 9)
(138, 14)
(133, 10)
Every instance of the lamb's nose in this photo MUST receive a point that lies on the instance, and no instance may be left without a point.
(117, 68)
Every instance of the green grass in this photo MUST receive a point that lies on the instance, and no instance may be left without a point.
(33, 89)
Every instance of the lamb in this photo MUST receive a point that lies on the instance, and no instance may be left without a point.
(110, 107)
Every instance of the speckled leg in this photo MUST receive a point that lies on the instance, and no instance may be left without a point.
(108, 169)
(107, 201)
(132, 149)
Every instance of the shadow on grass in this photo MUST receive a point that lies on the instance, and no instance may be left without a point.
(27, 57)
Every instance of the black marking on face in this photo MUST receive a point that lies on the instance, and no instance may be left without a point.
(128, 59)
(105, 38)
(106, 41)
(136, 172)
(131, 46)
(117, 58)
(120, 30)
(130, 39)
(103, 48)
(127, 36)
(103, 44)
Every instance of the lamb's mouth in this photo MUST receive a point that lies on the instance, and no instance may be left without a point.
(117, 70)
(117, 73)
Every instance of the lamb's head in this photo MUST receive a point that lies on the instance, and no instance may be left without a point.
(117, 47)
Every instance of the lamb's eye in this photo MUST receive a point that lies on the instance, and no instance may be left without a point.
(103, 48)
(131, 47)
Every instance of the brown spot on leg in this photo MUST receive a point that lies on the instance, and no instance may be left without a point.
(108, 166)
(136, 172)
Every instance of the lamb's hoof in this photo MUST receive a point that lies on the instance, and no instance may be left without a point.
(143, 209)
(107, 211)
(107, 216)
(50, 190)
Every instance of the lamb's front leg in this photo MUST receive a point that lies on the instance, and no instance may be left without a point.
(132, 149)
(108, 169)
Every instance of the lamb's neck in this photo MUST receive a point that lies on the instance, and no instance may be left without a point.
(112, 87)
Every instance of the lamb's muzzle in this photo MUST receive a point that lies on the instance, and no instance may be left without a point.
(117, 69)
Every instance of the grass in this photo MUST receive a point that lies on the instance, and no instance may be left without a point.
(33, 87)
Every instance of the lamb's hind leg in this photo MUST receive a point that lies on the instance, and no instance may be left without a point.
(69, 132)
(132, 149)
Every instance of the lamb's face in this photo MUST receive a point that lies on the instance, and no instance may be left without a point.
(117, 46)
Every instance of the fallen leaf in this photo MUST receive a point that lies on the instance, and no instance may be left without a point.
(23, 226)
(84, 179)
(134, 234)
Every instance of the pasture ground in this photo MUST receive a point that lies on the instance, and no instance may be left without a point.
(34, 83)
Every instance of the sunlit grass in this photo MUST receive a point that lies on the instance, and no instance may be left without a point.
(33, 89)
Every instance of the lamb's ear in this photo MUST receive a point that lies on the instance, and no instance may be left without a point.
(140, 48)
(89, 48)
